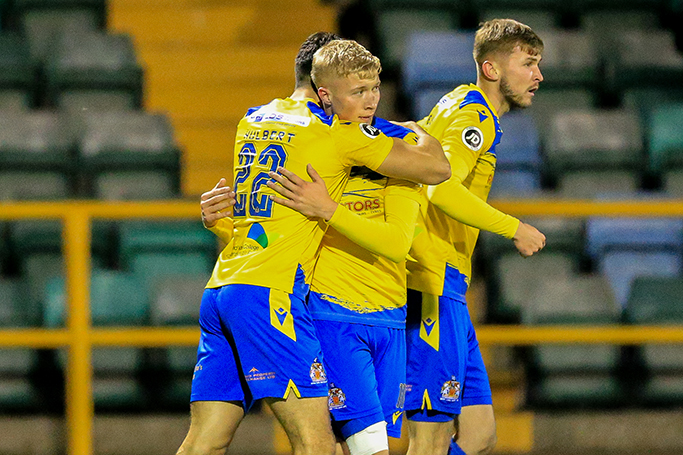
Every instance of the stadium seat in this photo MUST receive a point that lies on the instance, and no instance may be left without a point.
(571, 375)
(126, 141)
(673, 183)
(16, 310)
(665, 138)
(646, 100)
(33, 141)
(621, 267)
(586, 139)
(658, 301)
(538, 20)
(395, 25)
(43, 28)
(643, 234)
(438, 60)
(510, 183)
(634, 64)
(116, 298)
(17, 186)
(86, 61)
(78, 101)
(151, 267)
(180, 363)
(548, 102)
(175, 300)
(17, 73)
(131, 185)
(425, 100)
(519, 148)
(518, 277)
(593, 185)
(601, 22)
(569, 59)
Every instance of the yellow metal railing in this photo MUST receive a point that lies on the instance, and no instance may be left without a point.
(80, 337)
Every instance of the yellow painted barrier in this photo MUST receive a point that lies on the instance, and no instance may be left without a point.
(79, 337)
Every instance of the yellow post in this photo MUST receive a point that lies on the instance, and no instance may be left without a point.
(79, 400)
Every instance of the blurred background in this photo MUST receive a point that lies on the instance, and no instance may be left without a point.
(115, 103)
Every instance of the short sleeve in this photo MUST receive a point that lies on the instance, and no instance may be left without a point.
(360, 144)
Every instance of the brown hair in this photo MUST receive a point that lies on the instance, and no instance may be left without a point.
(342, 58)
(304, 58)
(501, 36)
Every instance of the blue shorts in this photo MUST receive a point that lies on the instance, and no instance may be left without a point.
(445, 367)
(366, 369)
(256, 343)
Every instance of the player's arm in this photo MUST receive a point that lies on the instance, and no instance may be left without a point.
(216, 206)
(390, 238)
(454, 199)
(423, 162)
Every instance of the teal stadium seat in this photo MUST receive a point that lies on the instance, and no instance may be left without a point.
(87, 60)
(658, 301)
(665, 138)
(17, 73)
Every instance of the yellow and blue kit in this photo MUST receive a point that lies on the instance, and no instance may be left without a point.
(257, 337)
(445, 368)
(358, 298)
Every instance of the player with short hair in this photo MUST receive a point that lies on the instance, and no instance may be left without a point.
(447, 379)
(358, 293)
(257, 339)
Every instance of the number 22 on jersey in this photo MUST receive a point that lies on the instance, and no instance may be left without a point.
(258, 163)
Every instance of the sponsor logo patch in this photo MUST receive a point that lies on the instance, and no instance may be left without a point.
(473, 138)
(369, 130)
(450, 390)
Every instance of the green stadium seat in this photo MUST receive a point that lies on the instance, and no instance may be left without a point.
(151, 267)
(665, 138)
(79, 101)
(518, 279)
(116, 298)
(17, 73)
(45, 236)
(175, 300)
(591, 185)
(586, 139)
(548, 102)
(395, 25)
(658, 301)
(673, 183)
(570, 59)
(35, 141)
(94, 61)
(16, 186)
(580, 390)
(131, 185)
(16, 309)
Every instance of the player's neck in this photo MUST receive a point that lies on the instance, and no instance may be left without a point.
(304, 93)
(495, 97)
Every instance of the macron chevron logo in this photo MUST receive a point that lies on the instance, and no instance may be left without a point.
(429, 325)
(281, 315)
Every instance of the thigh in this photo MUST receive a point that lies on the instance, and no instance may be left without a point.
(278, 350)
(351, 375)
(429, 438)
(216, 375)
(437, 355)
(306, 422)
(212, 426)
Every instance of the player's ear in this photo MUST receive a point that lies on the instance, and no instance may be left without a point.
(490, 71)
(325, 97)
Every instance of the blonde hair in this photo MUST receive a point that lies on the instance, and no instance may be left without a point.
(341, 58)
(502, 36)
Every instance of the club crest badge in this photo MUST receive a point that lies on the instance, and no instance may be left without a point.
(317, 373)
(336, 398)
(450, 390)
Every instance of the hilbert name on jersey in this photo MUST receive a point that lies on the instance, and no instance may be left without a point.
(269, 135)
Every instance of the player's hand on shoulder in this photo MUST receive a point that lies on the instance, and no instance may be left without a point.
(217, 203)
(528, 239)
(308, 198)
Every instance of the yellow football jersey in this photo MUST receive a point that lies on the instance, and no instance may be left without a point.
(467, 126)
(273, 246)
(355, 278)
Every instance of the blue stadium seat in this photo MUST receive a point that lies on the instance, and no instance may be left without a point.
(519, 148)
(622, 267)
(644, 234)
(438, 60)
(515, 184)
